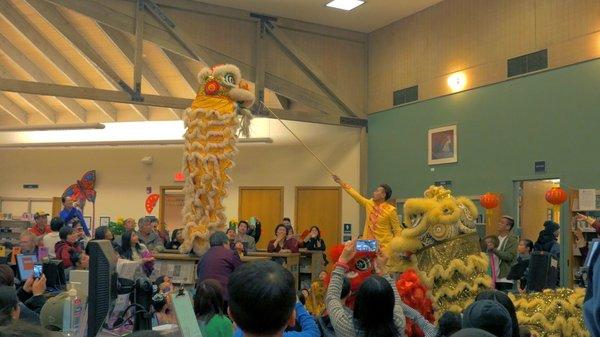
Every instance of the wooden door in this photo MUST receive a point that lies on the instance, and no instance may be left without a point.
(170, 207)
(321, 207)
(265, 204)
(535, 210)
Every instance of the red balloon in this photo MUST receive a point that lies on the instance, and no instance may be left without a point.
(489, 200)
(556, 196)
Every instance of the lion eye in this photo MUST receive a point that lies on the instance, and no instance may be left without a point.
(229, 79)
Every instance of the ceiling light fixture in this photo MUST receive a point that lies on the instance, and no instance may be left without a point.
(52, 127)
(346, 5)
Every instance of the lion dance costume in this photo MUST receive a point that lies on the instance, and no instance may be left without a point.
(212, 126)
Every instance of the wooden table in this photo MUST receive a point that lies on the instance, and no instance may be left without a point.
(254, 258)
(292, 260)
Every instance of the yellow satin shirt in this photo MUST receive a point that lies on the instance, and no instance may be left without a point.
(382, 222)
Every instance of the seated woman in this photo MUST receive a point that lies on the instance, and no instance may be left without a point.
(131, 249)
(176, 239)
(67, 246)
(103, 233)
(313, 240)
(281, 243)
(209, 310)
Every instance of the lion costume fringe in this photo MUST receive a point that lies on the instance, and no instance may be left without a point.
(212, 126)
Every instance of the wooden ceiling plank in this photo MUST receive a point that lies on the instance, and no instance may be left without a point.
(51, 14)
(16, 19)
(12, 109)
(39, 75)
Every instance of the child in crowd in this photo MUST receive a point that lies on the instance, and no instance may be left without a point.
(519, 270)
(209, 309)
(492, 242)
(449, 323)
(67, 246)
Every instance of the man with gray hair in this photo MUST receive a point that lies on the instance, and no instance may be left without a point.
(218, 262)
(148, 236)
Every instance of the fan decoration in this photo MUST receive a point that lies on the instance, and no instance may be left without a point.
(82, 191)
(151, 202)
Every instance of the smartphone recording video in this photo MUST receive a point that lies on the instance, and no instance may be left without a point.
(366, 245)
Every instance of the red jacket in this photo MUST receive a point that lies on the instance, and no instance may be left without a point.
(64, 250)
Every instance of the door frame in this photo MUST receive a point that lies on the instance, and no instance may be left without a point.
(240, 188)
(161, 202)
(339, 190)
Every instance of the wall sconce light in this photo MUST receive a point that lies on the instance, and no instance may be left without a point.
(457, 81)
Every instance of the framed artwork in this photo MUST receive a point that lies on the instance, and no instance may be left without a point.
(442, 145)
(104, 220)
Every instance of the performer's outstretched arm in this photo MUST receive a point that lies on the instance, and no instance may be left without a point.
(352, 192)
(395, 224)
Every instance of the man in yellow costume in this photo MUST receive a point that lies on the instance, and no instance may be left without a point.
(382, 222)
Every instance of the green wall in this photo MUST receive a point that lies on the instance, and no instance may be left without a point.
(502, 130)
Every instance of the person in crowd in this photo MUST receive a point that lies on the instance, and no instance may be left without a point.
(23, 329)
(176, 239)
(492, 242)
(240, 249)
(231, 236)
(164, 284)
(163, 313)
(209, 309)
(162, 232)
(313, 240)
(502, 299)
(30, 294)
(490, 316)
(71, 211)
(591, 306)
(472, 332)
(28, 243)
(52, 238)
(518, 272)
(128, 225)
(449, 323)
(382, 222)
(256, 230)
(40, 226)
(9, 305)
(82, 240)
(290, 228)
(104, 233)
(132, 249)
(244, 238)
(281, 243)
(218, 262)
(67, 245)
(548, 239)
(148, 236)
(378, 309)
(324, 321)
(506, 251)
(80, 261)
(263, 302)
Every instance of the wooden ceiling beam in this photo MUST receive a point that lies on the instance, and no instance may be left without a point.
(123, 44)
(66, 29)
(18, 21)
(12, 109)
(37, 74)
(178, 62)
(164, 39)
(50, 89)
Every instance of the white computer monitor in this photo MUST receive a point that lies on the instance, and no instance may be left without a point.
(25, 264)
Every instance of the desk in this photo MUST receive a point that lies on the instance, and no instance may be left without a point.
(311, 264)
(181, 268)
(291, 261)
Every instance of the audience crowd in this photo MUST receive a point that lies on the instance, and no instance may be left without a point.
(232, 298)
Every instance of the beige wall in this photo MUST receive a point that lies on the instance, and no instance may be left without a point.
(122, 178)
(477, 37)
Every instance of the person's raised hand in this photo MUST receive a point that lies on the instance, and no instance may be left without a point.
(380, 262)
(28, 284)
(349, 251)
(39, 286)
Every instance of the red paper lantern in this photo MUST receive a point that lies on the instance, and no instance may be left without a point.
(489, 201)
(556, 196)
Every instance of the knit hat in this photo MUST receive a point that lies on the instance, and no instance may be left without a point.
(471, 332)
(489, 316)
(51, 315)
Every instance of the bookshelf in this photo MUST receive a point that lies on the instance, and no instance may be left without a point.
(10, 230)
